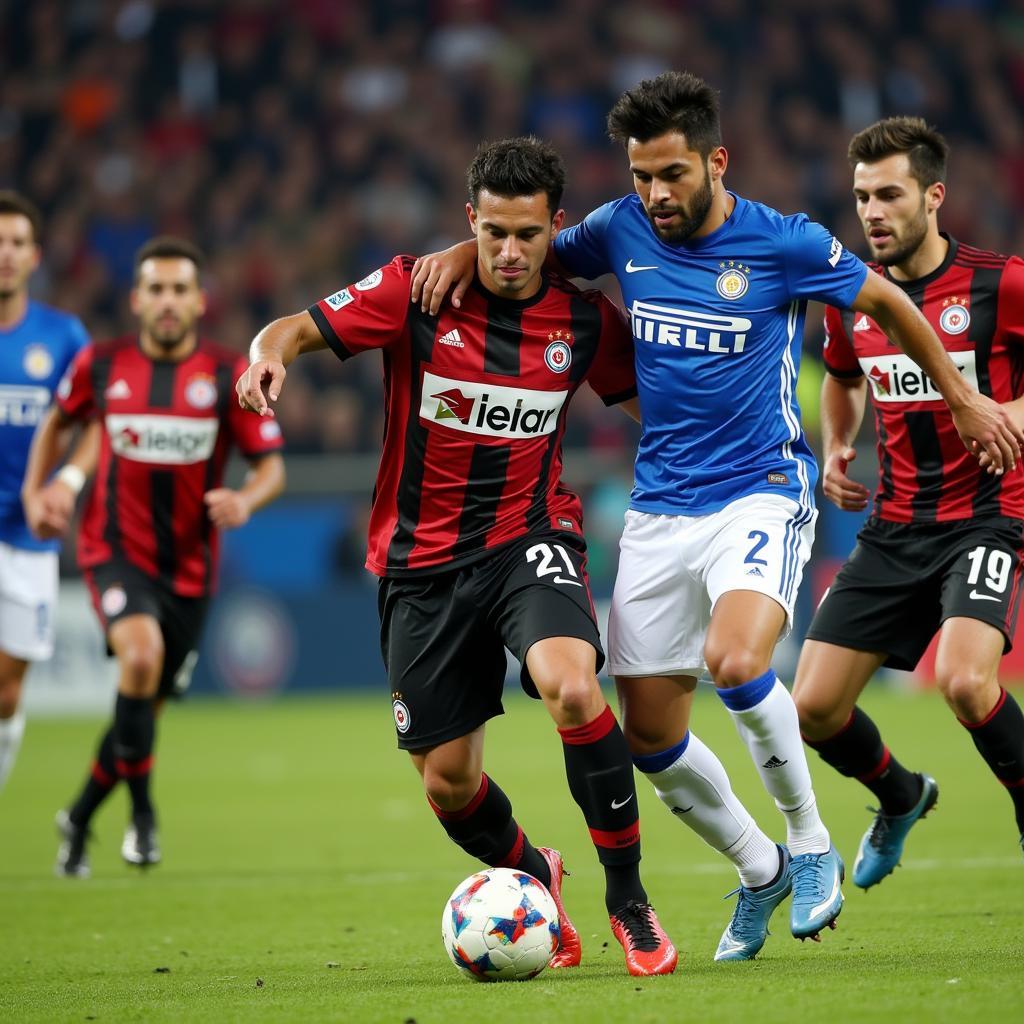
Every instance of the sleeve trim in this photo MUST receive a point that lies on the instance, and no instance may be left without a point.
(619, 396)
(329, 334)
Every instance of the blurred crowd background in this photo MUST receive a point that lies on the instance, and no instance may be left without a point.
(304, 143)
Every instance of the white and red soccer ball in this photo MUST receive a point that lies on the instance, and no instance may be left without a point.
(500, 925)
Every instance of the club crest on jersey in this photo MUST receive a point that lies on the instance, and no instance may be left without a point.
(955, 317)
(402, 718)
(201, 391)
(113, 600)
(370, 281)
(558, 355)
(732, 282)
(38, 362)
(489, 409)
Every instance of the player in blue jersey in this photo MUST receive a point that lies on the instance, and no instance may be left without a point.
(36, 345)
(722, 514)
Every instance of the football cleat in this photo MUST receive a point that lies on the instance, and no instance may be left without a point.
(748, 929)
(817, 892)
(569, 952)
(72, 860)
(648, 949)
(882, 846)
(140, 847)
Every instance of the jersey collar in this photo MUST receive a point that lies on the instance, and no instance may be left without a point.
(918, 284)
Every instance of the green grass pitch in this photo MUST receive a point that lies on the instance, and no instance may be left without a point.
(304, 877)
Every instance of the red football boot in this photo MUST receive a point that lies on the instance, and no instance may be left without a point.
(569, 952)
(648, 949)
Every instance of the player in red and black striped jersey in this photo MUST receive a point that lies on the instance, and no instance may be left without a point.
(149, 536)
(942, 549)
(478, 544)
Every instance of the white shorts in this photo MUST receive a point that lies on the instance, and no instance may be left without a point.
(672, 570)
(28, 602)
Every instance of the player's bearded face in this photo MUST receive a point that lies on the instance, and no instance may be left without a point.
(896, 239)
(689, 214)
(167, 300)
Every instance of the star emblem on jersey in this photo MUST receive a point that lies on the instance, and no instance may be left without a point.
(955, 317)
(558, 354)
(402, 718)
(201, 391)
(733, 281)
(38, 362)
(453, 405)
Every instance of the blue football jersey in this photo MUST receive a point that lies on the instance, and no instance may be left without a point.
(33, 357)
(717, 324)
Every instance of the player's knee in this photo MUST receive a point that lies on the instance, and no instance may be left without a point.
(578, 698)
(817, 715)
(734, 666)
(449, 787)
(964, 689)
(141, 664)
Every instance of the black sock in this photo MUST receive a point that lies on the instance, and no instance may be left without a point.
(857, 751)
(98, 784)
(134, 732)
(600, 773)
(999, 738)
(485, 829)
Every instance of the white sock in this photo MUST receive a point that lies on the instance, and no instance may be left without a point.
(767, 721)
(696, 789)
(11, 731)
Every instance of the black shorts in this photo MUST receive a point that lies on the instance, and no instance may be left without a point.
(443, 637)
(119, 588)
(903, 580)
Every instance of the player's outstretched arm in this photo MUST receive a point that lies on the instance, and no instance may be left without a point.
(983, 425)
(435, 273)
(50, 504)
(274, 348)
(229, 509)
(842, 409)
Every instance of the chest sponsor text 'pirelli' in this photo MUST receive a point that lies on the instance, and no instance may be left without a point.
(897, 378)
(164, 440)
(489, 409)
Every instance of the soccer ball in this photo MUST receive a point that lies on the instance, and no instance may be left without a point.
(500, 925)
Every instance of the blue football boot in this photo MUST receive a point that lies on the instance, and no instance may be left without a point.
(748, 928)
(882, 846)
(817, 893)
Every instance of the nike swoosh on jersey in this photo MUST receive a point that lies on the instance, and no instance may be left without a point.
(631, 269)
(975, 596)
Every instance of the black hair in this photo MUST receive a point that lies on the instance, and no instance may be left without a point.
(675, 101)
(517, 167)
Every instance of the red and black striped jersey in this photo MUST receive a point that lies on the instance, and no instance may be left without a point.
(475, 407)
(168, 429)
(975, 303)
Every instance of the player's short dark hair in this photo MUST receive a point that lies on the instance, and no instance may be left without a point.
(675, 101)
(169, 247)
(517, 167)
(15, 202)
(926, 149)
